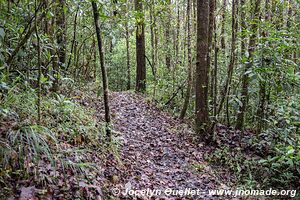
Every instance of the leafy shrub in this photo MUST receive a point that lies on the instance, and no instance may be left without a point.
(69, 121)
(244, 167)
(284, 168)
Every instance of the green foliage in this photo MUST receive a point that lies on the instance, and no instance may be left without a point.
(283, 169)
(66, 138)
(24, 145)
(244, 167)
(69, 121)
(68, 132)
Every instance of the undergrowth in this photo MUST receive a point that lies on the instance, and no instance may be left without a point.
(61, 145)
(268, 159)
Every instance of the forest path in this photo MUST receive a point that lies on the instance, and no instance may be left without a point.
(153, 153)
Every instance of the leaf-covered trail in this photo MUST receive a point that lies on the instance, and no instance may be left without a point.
(153, 152)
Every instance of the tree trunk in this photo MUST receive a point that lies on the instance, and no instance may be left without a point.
(245, 78)
(127, 56)
(189, 86)
(95, 59)
(210, 37)
(55, 67)
(140, 49)
(177, 34)
(223, 46)
(234, 27)
(153, 45)
(263, 83)
(73, 40)
(202, 118)
(61, 34)
(243, 28)
(103, 70)
(39, 69)
(214, 79)
(167, 35)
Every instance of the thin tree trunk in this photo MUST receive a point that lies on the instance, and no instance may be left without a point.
(95, 59)
(73, 40)
(234, 26)
(223, 45)
(262, 83)
(155, 61)
(55, 67)
(177, 33)
(245, 78)
(153, 46)
(61, 34)
(167, 35)
(189, 86)
(243, 28)
(215, 77)
(39, 69)
(103, 70)
(128, 57)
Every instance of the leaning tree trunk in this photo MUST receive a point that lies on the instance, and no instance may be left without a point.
(140, 50)
(202, 119)
(103, 70)
(74, 38)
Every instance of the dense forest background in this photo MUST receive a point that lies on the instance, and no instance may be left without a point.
(227, 68)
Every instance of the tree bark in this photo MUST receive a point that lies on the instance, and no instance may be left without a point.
(189, 86)
(210, 43)
(202, 116)
(167, 34)
(223, 45)
(243, 28)
(214, 78)
(177, 33)
(140, 49)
